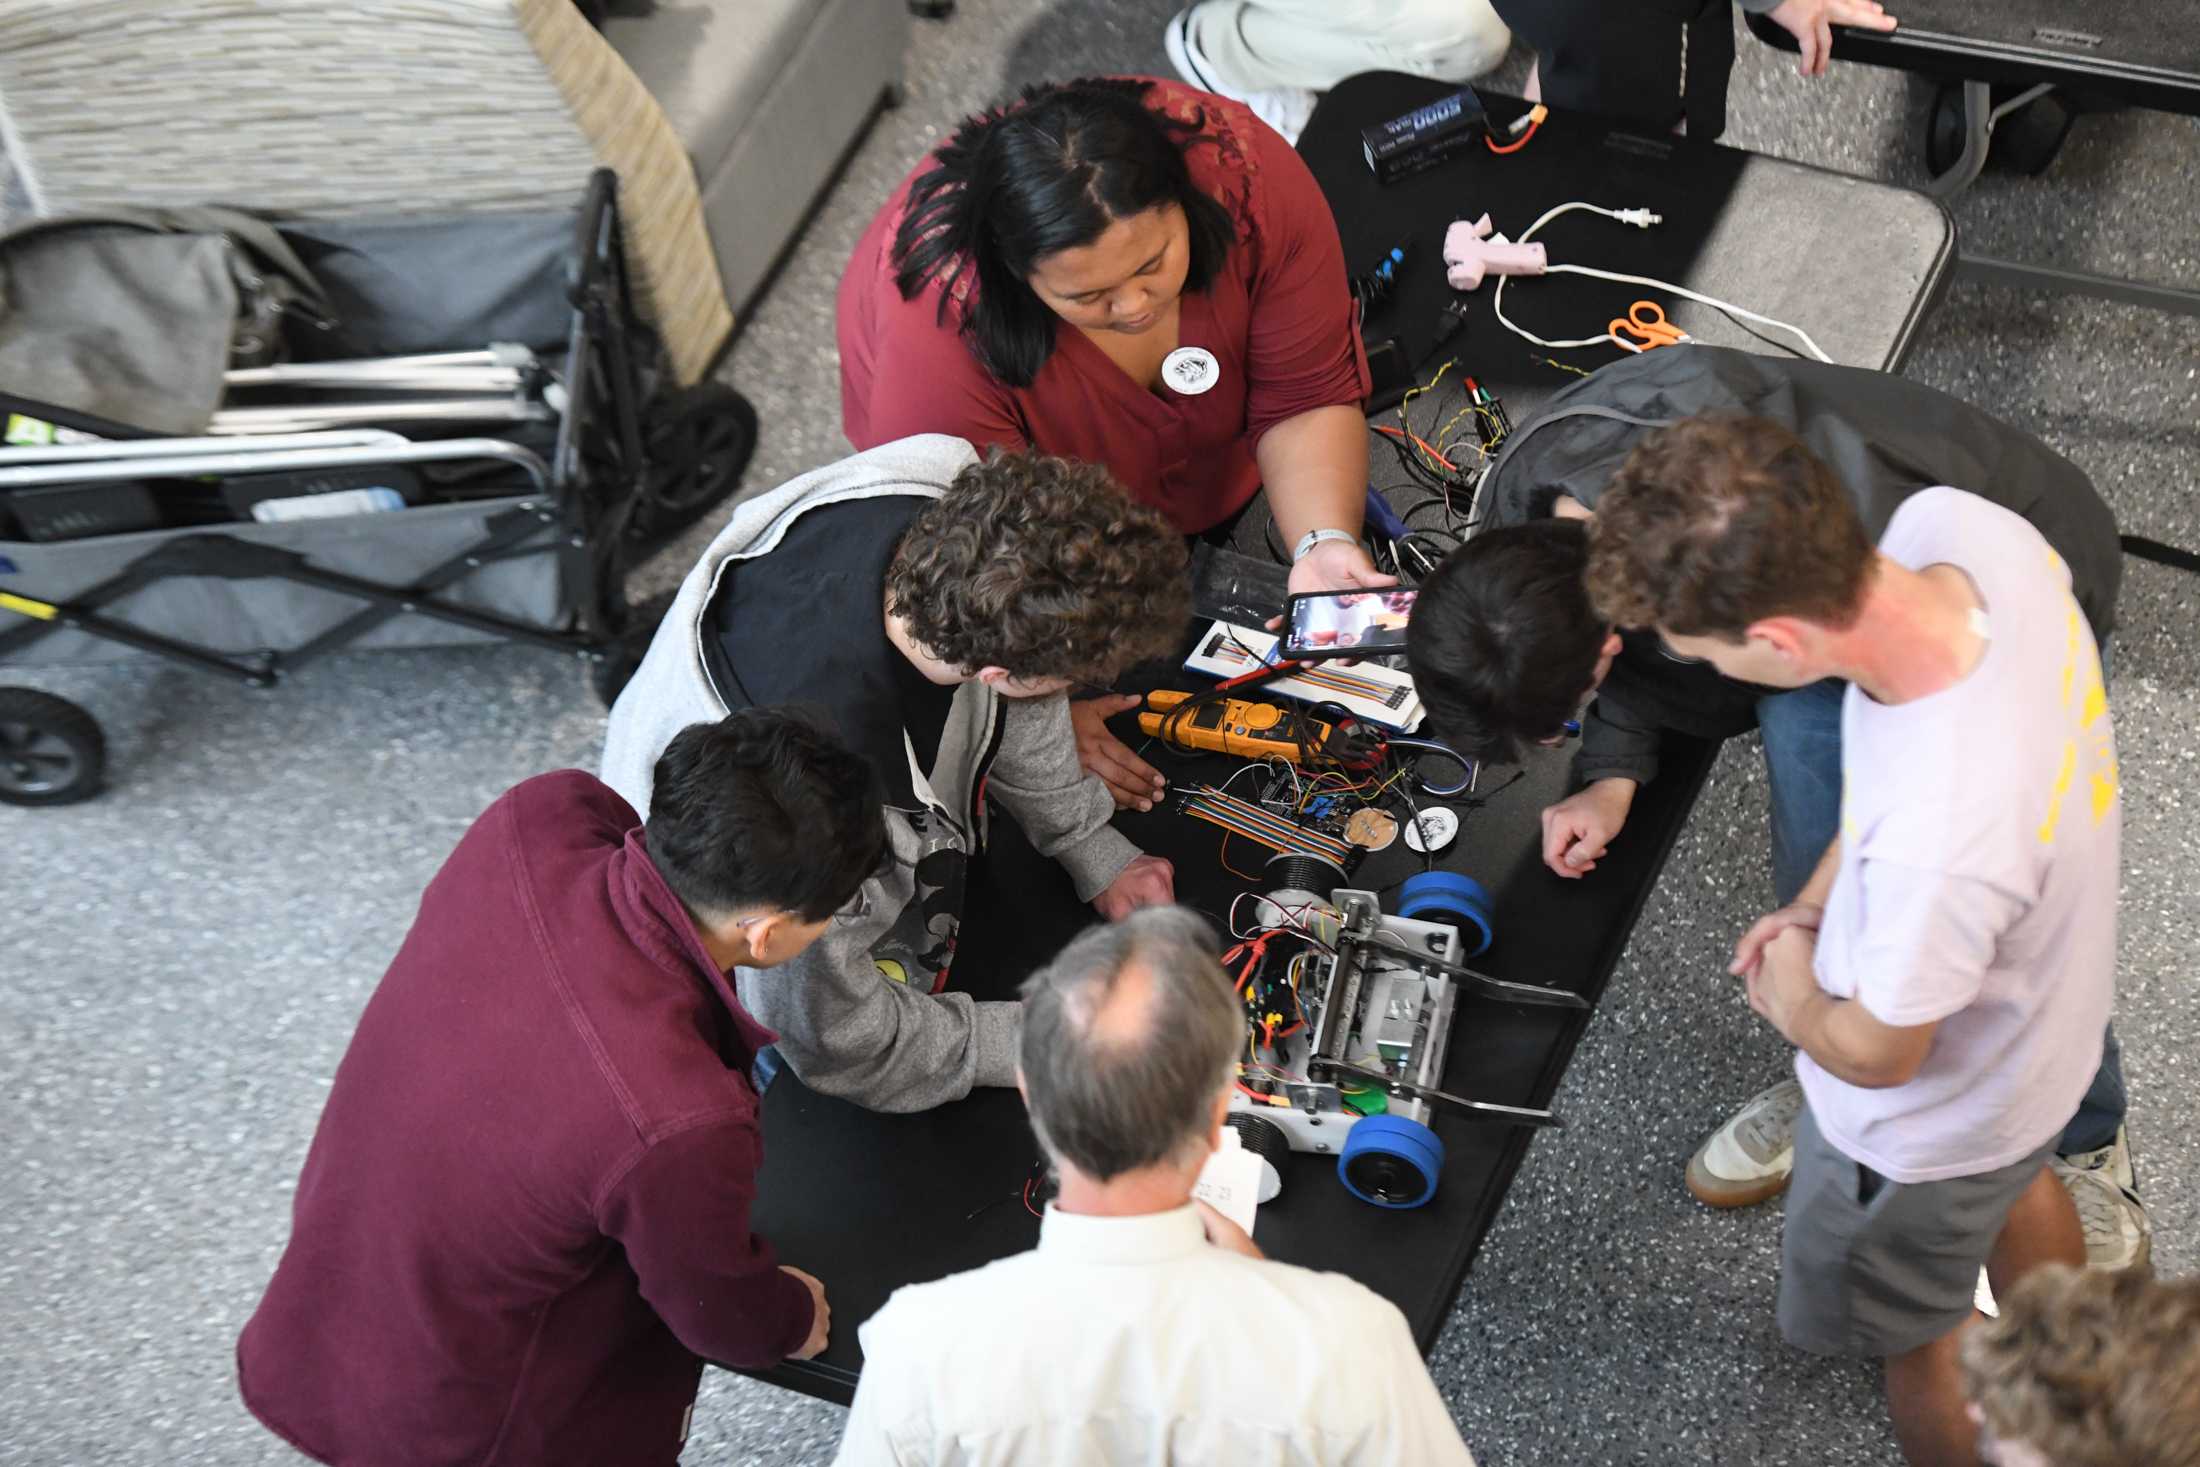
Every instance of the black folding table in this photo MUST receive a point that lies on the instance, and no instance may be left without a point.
(870, 1202)
(1995, 57)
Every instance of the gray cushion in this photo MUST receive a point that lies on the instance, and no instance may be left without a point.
(710, 63)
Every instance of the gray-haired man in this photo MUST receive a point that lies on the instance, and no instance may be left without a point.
(1145, 1327)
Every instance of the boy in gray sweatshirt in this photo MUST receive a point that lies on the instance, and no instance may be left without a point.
(936, 607)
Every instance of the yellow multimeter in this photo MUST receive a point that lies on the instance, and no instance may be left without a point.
(1253, 731)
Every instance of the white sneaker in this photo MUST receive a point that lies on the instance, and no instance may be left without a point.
(1749, 1159)
(2118, 1233)
(1285, 109)
(2114, 1159)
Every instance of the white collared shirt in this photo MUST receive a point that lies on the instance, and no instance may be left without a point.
(1133, 1340)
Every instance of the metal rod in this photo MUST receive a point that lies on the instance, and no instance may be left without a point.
(419, 379)
(1481, 1110)
(508, 355)
(1528, 993)
(193, 465)
(119, 448)
(2020, 276)
(303, 418)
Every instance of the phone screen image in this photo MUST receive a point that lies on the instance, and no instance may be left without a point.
(1347, 624)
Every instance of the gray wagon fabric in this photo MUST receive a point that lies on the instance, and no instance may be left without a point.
(256, 615)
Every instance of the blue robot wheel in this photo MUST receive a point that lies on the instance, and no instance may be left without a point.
(1391, 1161)
(1447, 896)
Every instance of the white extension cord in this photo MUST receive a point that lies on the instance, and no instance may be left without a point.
(1641, 219)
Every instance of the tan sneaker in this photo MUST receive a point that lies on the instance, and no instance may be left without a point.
(2118, 1232)
(1748, 1160)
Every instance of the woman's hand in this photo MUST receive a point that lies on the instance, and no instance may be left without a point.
(1134, 783)
(1811, 22)
(1337, 565)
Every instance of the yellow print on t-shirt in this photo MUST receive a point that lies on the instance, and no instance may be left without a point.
(2091, 741)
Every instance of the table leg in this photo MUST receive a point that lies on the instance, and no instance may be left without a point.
(1979, 116)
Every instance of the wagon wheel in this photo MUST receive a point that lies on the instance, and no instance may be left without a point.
(697, 442)
(51, 751)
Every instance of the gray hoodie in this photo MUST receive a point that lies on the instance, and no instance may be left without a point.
(857, 1014)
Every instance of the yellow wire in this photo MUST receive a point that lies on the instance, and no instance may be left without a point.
(1407, 401)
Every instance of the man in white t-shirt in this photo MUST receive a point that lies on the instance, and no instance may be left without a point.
(1145, 1327)
(1949, 1004)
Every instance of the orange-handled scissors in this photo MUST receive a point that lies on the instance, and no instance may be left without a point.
(1645, 328)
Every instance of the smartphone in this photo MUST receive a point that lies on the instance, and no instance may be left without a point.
(1346, 624)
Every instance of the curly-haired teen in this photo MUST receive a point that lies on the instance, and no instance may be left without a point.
(2088, 1369)
(936, 605)
(1134, 274)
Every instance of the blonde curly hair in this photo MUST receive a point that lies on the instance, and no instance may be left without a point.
(2092, 1368)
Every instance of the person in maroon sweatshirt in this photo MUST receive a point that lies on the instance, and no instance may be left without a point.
(524, 1221)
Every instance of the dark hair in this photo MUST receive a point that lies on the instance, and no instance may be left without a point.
(1045, 174)
(1715, 523)
(764, 808)
(1504, 643)
(1111, 1091)
(1041, 566)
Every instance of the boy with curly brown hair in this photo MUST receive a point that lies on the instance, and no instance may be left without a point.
(937, 606)
(2088, 1369)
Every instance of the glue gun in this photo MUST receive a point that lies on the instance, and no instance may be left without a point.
(1472, 251)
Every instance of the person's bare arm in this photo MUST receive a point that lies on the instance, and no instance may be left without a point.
(1840, 1034)
(1315, 469)
(1808, 908)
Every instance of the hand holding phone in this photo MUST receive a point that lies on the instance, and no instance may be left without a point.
(1362, 623)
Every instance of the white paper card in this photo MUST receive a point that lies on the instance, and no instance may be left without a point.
(1230, 1182)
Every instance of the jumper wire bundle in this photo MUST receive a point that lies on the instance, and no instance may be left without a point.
(1261, 826)
(1449, 463)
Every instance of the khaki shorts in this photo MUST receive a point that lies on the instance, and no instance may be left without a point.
(1873, 1268)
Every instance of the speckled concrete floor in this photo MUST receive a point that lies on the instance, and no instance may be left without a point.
(187, 955)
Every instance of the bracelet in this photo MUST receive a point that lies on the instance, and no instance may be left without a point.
(1312, 538)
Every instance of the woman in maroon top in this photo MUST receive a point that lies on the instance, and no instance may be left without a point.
(1211, 346)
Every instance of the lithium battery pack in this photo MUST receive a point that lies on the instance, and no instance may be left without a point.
(1425, 136)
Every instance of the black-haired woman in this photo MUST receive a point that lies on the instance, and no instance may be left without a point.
(1137, 274)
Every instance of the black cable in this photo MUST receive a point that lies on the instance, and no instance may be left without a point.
(1405, 789)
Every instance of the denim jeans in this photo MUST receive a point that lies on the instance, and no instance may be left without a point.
(1802, 732)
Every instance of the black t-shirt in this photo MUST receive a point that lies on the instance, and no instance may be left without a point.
(806, 624)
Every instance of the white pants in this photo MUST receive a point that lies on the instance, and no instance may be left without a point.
(1266, 45)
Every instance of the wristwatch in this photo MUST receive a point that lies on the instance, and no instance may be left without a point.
(1312, 538)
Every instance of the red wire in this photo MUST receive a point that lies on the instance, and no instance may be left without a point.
(1422, 443)
(1514, 146)
(1224, 857)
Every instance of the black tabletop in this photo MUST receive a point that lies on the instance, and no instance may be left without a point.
(870, 1202)
(2145, 55)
